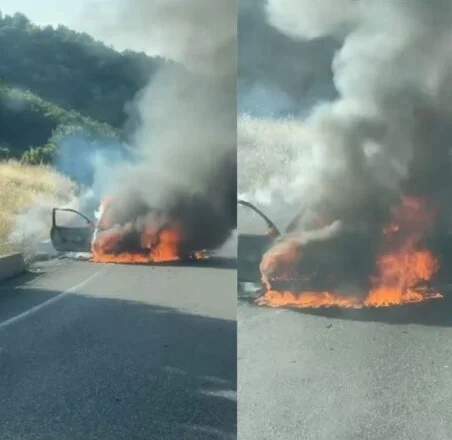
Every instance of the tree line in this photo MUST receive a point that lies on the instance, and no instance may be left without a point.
(55, 80)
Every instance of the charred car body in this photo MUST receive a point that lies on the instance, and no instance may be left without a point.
(188, 224)
(322, 267)
(338, 257)
(108, 237)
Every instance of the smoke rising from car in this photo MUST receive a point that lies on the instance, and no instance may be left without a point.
(388, 131)
(184, 151)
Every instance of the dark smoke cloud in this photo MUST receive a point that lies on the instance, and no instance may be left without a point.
(185, 146)
(388, 132)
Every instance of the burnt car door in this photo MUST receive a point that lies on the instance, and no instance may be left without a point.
(71, 231)
(253, 242)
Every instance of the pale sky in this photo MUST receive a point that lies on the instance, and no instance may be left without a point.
(53, 12)
(75, 14)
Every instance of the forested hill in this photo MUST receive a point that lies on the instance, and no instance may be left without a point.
(53, 79)
(31, 127)
(71, 69)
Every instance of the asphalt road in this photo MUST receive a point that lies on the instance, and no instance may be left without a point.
(345, 375)
(92, 351)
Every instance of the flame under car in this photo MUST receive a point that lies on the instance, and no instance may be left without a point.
(398, 263)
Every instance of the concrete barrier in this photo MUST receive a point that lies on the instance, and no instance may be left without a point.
(11, 265)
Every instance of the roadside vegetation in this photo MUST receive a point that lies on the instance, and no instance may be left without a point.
(31, 127)
(21, 185)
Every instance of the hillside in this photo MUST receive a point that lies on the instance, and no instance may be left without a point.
(55, 81)
(71, 69)
(30, 127)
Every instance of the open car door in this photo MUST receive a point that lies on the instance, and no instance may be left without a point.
(253, 243)
(71, 231)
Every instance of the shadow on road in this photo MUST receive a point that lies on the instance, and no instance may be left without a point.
(99, 368)
(19, 280)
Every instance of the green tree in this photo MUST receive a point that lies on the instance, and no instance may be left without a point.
(71, 69)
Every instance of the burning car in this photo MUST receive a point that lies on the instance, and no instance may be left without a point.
(333, 265)
(151, 238)
(291, 269)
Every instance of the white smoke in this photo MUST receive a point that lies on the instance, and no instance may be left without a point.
(32, 225)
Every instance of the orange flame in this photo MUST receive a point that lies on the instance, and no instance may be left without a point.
(157, 243)
(280, 261)
(402, 264)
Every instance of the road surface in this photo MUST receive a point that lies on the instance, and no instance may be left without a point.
(93, 351)
(345, 375)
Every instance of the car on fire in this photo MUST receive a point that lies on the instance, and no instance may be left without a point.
(82, 235)
(324, 264)
(77, 233)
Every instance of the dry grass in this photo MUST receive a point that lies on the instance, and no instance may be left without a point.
(28, 189)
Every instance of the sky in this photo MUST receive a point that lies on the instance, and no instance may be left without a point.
(78, 15)
(74, 14)
(53, 12)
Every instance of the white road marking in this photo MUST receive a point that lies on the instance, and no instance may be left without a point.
(50, 301)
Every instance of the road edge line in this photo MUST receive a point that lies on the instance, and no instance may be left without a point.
(50, 301)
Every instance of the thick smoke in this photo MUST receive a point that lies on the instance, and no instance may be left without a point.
(309, 20)
(185, 147)
(199, 34)
(389, 132)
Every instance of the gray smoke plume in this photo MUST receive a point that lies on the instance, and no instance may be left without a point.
(199, 34)
(185, 147)
(309, 20)
(389, 131)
